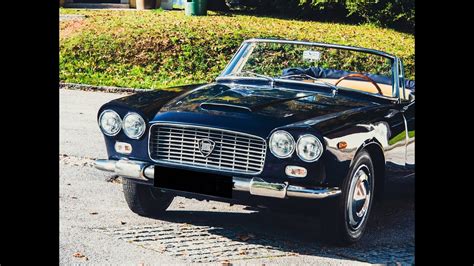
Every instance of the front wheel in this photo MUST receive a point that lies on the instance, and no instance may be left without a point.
(145, 200)
(345, 217)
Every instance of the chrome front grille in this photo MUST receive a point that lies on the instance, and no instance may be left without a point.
(233, 151)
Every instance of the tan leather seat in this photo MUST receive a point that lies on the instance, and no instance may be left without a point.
(364, 86)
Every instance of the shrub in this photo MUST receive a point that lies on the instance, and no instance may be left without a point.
(393, 13)
(399, 13)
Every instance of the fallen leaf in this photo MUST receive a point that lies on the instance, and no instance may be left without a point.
(94, 213)
(226, 263)
(80, 256)
(114, 179)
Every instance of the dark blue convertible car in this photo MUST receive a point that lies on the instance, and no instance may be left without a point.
(285, 120)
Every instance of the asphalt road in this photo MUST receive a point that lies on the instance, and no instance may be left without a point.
(97, 227)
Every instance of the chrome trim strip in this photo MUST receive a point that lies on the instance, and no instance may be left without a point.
(327, 45)
(200, 167)
(313, 193)
(225, 104)
(255, 186)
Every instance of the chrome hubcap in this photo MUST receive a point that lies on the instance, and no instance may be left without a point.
(359, 197)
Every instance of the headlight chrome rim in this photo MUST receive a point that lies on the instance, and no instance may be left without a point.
(292, 139)
(119, 120)
(141, 120)
(320, 145)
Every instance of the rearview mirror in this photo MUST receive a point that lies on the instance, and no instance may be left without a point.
(311, 56)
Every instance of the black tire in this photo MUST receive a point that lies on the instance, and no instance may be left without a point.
(338, 228)
(145, 200)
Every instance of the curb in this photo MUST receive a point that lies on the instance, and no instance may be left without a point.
(110, 89)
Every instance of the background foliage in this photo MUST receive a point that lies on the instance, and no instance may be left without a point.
(156, 49)
(399, 14)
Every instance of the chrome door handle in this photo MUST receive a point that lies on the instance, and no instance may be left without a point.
(392, 113)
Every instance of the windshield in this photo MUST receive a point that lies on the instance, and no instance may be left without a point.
(302, 62)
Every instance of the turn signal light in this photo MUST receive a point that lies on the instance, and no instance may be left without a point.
(123, 147)
(342, 145)
(295, 171)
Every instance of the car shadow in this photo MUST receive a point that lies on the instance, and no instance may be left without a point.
(389, 235)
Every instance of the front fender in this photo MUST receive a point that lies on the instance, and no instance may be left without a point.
(338, 160)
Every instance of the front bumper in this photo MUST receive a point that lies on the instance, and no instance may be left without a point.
(145, 171)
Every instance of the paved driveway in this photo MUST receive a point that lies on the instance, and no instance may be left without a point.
(96, 225)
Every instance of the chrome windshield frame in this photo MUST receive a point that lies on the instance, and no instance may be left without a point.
(397, 66)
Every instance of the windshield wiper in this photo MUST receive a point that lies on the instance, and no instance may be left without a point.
(271, 79)
(296, 76)
(302, 75)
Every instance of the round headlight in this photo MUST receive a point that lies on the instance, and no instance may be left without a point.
(309, 148)
(282, 144)
(110, 123)
(133, 125)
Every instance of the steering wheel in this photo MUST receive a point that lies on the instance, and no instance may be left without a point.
(362, 76)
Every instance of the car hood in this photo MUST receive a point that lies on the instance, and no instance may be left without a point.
(253, 109)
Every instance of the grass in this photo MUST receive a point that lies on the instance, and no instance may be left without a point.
(158, 49)
(400, 136)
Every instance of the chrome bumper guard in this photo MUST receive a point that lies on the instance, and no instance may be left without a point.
(256, 186)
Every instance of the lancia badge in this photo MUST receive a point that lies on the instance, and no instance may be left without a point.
(206, 146)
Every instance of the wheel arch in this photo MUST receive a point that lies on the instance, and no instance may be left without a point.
(375, 150)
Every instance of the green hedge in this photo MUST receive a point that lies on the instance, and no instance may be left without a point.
(399, 14)
(144, 49)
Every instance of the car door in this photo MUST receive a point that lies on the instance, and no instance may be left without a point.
(395, 149)
(409, 116)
